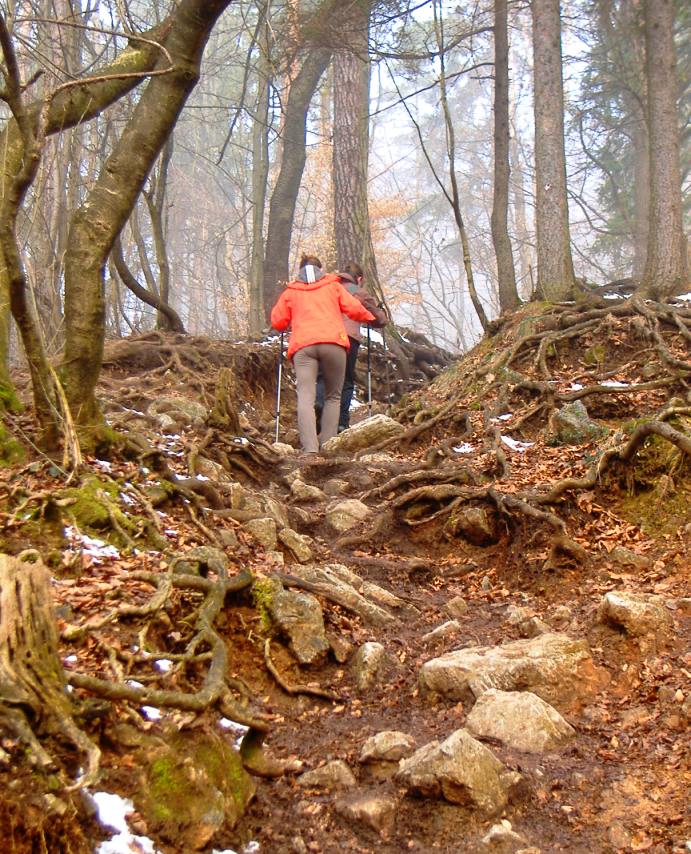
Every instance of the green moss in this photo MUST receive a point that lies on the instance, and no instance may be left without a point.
(595, 355)
(658, 517)
(192, 778)
(225, 770)
(167, 781)
(91, 502)
(9, 402)
(11, 451)
(263, 592)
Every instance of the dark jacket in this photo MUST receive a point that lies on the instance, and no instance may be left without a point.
(353, 326)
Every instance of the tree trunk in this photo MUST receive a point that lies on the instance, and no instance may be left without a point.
(260, 177)
(173, 323)
(99, 220)
(666, 265)
(156, 205)
(554, 263)
(455, 198)
(284, 196)
(351, 137)
(506, 274)
(33, 692)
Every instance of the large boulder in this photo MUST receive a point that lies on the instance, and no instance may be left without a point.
(461, 770)
(344, 515)
(364, 434)
(475, 524)
(554, 666)
(519, 719)
(637, 613)
(571, 425)
(190, 788)
(345, 586)
(183, 411)
(333, 775)
(369, 662)
(387, 746)
(299, 545)
(263, 531)
(299, 617)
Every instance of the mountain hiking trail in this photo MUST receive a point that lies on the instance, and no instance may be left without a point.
(462, 627)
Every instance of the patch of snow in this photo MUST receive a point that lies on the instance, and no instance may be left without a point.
(151, 713)
(375, 336)
(238, 729)
(515, 445)
(163, 665)
(104, 465)
(575, 387)
(202, 477)
(133, 683)
(70, 659)
(127, 499)
(89, 545)
(684, 297)
(612, 296)
(507, 416)
(464, 448)
(614, 384)
(112, 812)
(240, 440)
(170, 532)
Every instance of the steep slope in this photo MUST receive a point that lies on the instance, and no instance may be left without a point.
(501, 569)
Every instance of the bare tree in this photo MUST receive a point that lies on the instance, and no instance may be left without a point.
(351, 87)
(666, 263)
(508, 295)
(284, 196)
(554, 262)
(97, 223)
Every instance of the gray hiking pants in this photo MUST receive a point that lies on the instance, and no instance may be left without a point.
(308, 361)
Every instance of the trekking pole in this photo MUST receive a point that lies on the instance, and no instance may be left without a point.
(278, 390)
(386, 368)
(369, 372)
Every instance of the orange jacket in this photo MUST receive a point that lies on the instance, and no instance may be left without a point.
(313, 310)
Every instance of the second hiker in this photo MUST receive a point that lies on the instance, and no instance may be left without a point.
(351, 279)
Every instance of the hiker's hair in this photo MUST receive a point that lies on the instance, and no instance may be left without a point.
(353, 269)
(306, 260)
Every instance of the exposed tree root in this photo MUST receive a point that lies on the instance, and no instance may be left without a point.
(308, 690)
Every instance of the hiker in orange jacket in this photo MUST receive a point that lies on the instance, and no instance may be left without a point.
(312, 306)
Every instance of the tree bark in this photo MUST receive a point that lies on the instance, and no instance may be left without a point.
(554, 262)
(33, 688)
(506, 274)
(284, 196)
(666, 270)
(455, 197)
(155, 197)
(98, 221)
(351, 137)
(260, 177)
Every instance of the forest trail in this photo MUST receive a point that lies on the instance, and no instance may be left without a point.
(466, 631)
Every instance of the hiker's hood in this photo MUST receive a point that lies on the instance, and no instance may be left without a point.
(321, 279)
(309, 273)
